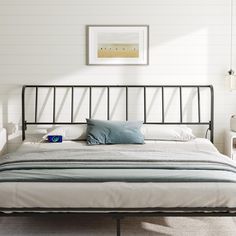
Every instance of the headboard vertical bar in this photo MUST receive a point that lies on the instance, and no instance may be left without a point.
(211, 123)
(145, 105)
(181, 104)
(108, 103)
(54, 104)
(199, 104)
(126, 102)
(90, 102)
(162, 104)
(72, 104)
(23, 112)
(36, 105)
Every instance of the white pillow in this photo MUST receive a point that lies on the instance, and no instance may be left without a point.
(70, 132)
(150, 132)
(167, 132)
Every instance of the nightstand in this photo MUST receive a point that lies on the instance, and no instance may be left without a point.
(230, 144)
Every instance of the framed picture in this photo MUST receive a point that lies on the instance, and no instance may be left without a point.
(117, 45)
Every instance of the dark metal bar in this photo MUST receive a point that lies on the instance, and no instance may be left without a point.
(126, 103)
(118, 86)
(23, 112)
(145, 105)
(90, 102)
(150, 123)
(56, 123)
(162, 104)
(119, 213)
(114, 211)
(181, 104)
(211, 122)
(36, 105)
(54, 104)
(199, 104)
(123, 214)
(72, 104)
(108, 103)
(118, 230)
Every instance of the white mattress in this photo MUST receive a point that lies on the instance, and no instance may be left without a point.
(195, 145)
(119, 194)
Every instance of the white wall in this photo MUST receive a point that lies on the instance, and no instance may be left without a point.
(43, 42)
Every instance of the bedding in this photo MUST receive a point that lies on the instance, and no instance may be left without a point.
(167, 177)
(150, 132)
(167, 132)
(114, 132)
(124, 166)
(33, 143)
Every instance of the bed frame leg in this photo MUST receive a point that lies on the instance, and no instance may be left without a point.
(118, 218)
(118, 227)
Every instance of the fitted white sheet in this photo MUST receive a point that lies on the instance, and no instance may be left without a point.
(198, 145)
(119, 194)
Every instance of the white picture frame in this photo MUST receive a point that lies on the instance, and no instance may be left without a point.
(117, 44)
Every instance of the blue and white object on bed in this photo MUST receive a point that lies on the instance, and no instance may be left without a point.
(68, 132)
(55, 138)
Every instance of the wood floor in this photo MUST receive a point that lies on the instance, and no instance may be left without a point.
(104, 226)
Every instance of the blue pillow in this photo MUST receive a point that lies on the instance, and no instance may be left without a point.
(114, 132)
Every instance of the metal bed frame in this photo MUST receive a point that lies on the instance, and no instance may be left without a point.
(127, 88)
(120, 213)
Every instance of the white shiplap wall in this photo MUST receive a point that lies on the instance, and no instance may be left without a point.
(43, 42)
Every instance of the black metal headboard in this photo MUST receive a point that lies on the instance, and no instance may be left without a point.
(209, 123)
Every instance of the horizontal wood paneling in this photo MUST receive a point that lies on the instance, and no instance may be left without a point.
(44, 42)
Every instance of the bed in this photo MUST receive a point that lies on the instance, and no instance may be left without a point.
(117, 191)
(159, 178)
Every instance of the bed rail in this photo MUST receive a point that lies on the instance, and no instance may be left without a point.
(127, 88)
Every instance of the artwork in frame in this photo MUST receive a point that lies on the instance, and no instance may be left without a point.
(117, 45)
